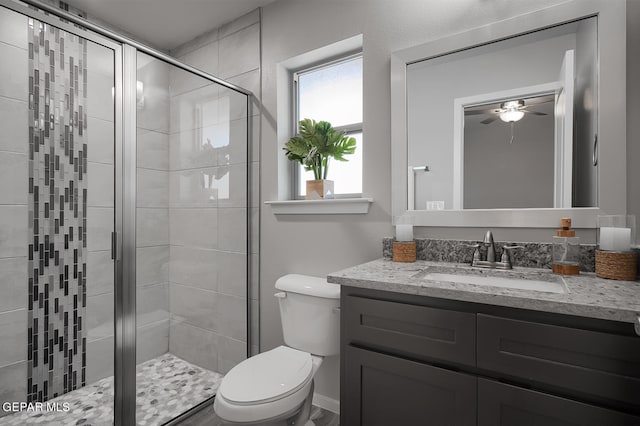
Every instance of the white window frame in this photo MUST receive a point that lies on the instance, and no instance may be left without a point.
(348, 129)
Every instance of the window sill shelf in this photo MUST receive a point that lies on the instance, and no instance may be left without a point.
(334, 206)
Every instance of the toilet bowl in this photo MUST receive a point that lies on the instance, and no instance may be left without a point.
(276, 386)
(268, 387)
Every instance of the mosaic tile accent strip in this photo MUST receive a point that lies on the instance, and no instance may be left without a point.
(56, 353)
(534, 255)
(167, 386)
(64, 6)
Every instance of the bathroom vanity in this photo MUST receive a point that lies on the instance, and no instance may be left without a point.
(419, 348)
(443, 344)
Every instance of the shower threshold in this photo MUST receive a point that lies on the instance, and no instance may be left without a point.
(167, 386)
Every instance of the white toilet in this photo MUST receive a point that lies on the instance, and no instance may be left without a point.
(276, 387)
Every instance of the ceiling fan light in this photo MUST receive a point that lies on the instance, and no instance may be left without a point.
(512, 104)
(511, 116)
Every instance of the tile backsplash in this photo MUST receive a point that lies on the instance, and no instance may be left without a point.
(534, 255)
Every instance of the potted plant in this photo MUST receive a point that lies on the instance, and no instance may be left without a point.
(317, 144)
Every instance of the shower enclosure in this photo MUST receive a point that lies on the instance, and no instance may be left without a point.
(123, 225)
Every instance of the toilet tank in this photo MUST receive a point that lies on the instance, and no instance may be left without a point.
(310, 314)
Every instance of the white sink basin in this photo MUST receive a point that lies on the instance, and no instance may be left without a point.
(517, 283)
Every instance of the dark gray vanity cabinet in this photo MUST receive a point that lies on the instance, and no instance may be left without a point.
(593, 364)
(413, 360)
(501, 404)
(411, 330)
(388, 390)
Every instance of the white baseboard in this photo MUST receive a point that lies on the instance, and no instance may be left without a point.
(326, 403)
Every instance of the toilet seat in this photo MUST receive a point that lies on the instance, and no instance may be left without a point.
(266, 386)
(267, 377)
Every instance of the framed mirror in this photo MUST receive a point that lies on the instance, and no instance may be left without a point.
(517, 123)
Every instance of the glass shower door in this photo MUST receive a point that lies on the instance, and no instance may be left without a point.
(191, 248)
(62, 114)
(56, 218)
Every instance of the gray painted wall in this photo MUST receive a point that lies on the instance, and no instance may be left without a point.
(498, 174)
(633, 108)
(318, 245)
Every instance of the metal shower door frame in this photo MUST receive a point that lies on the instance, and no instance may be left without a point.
(124, 235)
(54, 19)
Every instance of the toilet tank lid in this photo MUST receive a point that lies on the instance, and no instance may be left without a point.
(311, 286)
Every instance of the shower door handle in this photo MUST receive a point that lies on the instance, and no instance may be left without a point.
(114, 245)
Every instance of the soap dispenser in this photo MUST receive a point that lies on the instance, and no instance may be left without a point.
(566, 250)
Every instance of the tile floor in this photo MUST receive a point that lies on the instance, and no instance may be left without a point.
(167, 387)
(207, 417)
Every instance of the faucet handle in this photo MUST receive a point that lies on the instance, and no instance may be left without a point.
(476, 252)
(505, 253)
(512, 247)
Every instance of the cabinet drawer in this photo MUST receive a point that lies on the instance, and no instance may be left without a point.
(505, 405)
(382, 390)
(411, 330)
(587, 362)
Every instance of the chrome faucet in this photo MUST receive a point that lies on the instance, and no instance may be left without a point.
(489, 260)
(491, 248)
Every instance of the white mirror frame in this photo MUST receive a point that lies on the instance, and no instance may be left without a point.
(612, 135)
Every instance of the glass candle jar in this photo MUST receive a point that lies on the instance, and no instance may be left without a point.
(404, 228)
(616, 232)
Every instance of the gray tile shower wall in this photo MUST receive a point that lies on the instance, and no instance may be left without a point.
(14, 263)
(71, 73)
(152, 206)
(208, 204)
(534, 255)
(94, 75)
(160, 245)
(100, 279)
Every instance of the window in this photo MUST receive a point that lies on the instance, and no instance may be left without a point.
(333, 92)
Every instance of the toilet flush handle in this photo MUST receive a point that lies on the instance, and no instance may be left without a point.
(281, 295)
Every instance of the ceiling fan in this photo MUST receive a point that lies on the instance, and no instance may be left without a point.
(509, 111)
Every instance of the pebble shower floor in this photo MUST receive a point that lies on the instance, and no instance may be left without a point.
(167, 386)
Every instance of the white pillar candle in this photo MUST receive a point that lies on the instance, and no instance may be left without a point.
(404, 232)
(615, 239)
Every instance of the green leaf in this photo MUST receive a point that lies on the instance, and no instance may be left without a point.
(318, 142)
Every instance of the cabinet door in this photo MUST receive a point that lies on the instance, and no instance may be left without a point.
(382, 390)
(589, 363)
(411, 331)
(505, 405)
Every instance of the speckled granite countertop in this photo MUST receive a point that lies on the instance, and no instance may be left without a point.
(586, 295)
